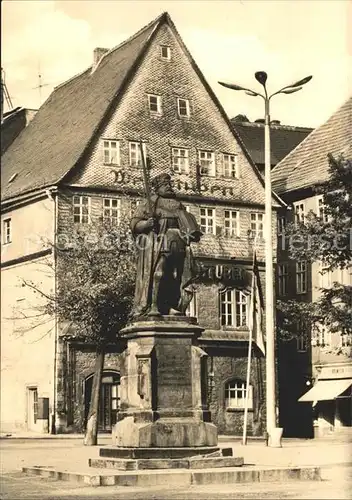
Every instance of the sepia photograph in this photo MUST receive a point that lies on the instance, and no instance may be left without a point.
(176, 249)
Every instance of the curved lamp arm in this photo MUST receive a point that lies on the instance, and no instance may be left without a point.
(233, 86)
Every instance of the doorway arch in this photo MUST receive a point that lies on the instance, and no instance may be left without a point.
(109, 400)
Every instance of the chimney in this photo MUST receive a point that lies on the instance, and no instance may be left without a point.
(97, 55)
(275, 122)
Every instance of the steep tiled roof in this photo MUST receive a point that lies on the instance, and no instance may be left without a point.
(307, 165)
(13, 123)
(283, 140)
(62, 129)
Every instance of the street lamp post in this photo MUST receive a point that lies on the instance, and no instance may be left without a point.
(261, 77)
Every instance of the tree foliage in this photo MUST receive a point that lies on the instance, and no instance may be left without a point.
(325, 237)
(95, 280)
(95, 269)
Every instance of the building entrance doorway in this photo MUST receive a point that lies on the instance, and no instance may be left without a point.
(109, 400)
(32, 408)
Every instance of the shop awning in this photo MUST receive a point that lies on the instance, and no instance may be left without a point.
(325, 390)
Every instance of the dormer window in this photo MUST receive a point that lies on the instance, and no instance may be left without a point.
(165, 52)
(154, 103)
(111, 152)
(183, 107)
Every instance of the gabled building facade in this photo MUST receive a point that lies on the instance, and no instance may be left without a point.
(77, 160)
(328, 357)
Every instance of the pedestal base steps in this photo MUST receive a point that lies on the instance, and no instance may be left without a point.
(165, 458)
(180, 477)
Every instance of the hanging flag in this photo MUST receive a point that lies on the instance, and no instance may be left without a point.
(256, 306)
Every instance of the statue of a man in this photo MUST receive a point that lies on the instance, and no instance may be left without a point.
(165, 267)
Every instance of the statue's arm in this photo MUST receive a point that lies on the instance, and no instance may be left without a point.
(142, 222)
(140, 226)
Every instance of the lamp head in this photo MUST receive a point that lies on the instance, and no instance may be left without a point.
(302, 82)
(232, 86)
(261, 77)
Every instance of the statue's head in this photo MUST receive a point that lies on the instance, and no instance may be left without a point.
(162, 185)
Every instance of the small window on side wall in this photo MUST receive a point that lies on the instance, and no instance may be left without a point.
(81, 209)
(7, 232)
(165, 52)
(235, 395)
(183, 108)
(111, 152)
(154, 104)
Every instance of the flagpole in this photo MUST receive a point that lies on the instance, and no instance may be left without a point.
(250, 324)
(244, 440)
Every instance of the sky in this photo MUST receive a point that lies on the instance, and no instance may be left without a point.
(230, 40)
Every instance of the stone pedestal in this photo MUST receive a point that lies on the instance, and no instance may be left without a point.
(163, 393)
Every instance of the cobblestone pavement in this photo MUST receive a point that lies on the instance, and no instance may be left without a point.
(335, 456)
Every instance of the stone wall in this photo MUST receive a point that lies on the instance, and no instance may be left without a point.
(77, 364)
(229, 364)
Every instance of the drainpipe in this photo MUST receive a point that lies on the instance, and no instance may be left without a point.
(52, 194)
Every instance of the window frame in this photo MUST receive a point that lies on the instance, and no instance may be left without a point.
(321, 336)
(301, 343)
(168, 50)
(174, 157)
(232, 313)
(259, 233)
(159, 110)
(212, 160)
(282, 279)
(109, 150)
(232, 168)
(303, 277)
(110, 208)
(230, 231)
(138, 162)
(281, 225)
(80, 205)
(7, 231)
(345, 340)
(237, 386)
(320, 209)
(204, 227)
(299, 212)
(187, 108)
(325, 274)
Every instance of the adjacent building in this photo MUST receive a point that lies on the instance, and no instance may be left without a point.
(326, 362)
(284, 138)
(12, 123)
(78, 159)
